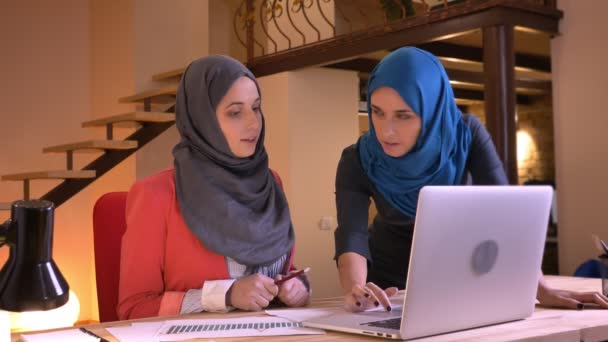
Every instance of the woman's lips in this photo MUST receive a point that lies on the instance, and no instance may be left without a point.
(390, 145)
(250, 140)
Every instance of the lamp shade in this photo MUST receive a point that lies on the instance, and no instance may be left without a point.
(30, 280)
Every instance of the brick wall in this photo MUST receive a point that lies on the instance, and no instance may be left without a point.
(537, 121)
(535, 129)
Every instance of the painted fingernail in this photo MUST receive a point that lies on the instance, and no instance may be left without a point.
(376, 303)
(580, 306)
(388, 308)
(358, 304)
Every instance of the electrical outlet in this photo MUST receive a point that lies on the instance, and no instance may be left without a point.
(326, 223)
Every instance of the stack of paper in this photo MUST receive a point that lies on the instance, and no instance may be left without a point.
(137, 332)
(71, 335)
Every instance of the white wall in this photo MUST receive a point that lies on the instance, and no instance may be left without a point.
(311, 117)
(222, 39)
(112, 76)
(580, 85)
(275, 106)
(168, 35)
(44, 96)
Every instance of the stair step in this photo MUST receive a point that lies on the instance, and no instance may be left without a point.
(160, 95)
(169, 74)
(131, 119)
(93, 146)
(58, 174)
(5, 206)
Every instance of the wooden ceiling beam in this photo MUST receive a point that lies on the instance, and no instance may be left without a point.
(477, 95)
(475, 54)
(366, 65)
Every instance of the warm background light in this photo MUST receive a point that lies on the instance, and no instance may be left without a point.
(63, 316)
(525, 146)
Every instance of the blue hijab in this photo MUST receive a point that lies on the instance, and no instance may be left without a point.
(440, 153)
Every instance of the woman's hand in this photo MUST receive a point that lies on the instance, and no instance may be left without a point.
(551, 297)
(293, 292)
(361, 298)
(353, 271)
(252, 293)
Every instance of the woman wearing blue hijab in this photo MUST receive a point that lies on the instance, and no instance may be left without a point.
(417, 137)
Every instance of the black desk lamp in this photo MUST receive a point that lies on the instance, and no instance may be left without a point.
(30, 280)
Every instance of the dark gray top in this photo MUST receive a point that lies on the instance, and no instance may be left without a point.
(387, 243)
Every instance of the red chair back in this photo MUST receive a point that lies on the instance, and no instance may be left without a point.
(109, 225)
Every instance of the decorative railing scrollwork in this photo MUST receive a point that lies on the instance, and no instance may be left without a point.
(267, 27)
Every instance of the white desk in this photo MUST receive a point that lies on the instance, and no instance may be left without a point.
(544, 325)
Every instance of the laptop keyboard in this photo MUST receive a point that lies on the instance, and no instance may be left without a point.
(393, 323)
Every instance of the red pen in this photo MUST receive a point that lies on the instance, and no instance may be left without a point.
(292, 275)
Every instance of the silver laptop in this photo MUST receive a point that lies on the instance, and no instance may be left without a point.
(475, 261)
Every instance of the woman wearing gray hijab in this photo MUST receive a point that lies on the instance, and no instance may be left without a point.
(214, 232)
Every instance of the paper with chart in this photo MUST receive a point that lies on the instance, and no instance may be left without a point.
(176, 330)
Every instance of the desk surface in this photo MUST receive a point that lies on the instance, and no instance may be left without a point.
(543, 325)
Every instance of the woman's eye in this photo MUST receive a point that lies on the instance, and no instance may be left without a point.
(404, 116)
(256, 109)
(376, 112)
(233, 114)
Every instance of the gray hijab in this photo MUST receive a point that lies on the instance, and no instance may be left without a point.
(233, 205)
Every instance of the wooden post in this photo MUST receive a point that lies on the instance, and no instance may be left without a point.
(499, 94)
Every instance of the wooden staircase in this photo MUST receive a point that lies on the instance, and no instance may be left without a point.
(148, 124)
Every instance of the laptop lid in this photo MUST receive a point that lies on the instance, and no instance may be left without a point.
(476, 257)
(475, 261)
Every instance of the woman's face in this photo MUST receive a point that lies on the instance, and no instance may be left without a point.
(240, 117)
(397, 126)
